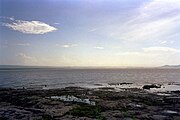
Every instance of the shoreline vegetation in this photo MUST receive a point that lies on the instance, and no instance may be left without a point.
(76, 103)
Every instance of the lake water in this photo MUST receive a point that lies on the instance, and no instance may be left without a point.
(60, 77)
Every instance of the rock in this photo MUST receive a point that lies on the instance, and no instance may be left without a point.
(170, 112)
(112, 105)
(58, 112)
(151, 86)
(130, 119)
(127, 119)
(176, 118)
(70, 117)
(112, 115)
(123, 83)
(172, 99)
(176, 92)
(71, 98)
(159, 117)
(145, 116)
(135, 106)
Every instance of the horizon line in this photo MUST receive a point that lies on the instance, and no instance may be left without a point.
(43, 66)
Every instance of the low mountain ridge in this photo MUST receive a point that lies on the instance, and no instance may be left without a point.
(172, 66)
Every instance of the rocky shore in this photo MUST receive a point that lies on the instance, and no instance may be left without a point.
(75, 103)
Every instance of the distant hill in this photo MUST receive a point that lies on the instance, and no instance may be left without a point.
(174, 66)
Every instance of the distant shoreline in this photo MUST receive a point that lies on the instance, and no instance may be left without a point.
(78, 67)
(2, 67)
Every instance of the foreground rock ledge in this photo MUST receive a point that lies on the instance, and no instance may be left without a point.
(128, 104)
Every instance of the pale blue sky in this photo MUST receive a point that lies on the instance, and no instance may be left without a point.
(90, 33)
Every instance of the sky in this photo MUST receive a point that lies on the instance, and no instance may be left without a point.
(117, 33)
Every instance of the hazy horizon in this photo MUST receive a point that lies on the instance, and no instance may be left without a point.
(90, 66)
(86, 33)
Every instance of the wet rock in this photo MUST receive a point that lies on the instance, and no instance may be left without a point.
(109, 104)
(172, 99)
(70, 117)
(112, 105)
(135, 106)
(58, 112)
(176, 118)
(144, 116)
(151, 86)
(112, 115)
(129, 119)
(159, 117)
(98, 84)
(176, 92)
(107, 88)
(70, 98)
(170, 112)
(123, 83)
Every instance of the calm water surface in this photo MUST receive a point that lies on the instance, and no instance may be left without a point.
(58, 77)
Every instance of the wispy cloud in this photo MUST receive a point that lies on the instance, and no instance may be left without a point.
(99, 47)
(63, 60)
(29, 27)
(93, 29)
(153, 21)
(26, 59)
(163, 42)
(23, 44)
(150, 56)
(67, 45)
(156, 50)
(8, 18)
(56, 23)
(160, 49)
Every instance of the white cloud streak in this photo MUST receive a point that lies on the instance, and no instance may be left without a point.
(150, 56)
(56, 23)
(63, 60)
(93, 29)
(67, 45)
(26, 59)
(163, 42)
(99, 47)
(153, 21)
(8, 18)
(30, 27)
(151, 51)
(161, 49)
(23, 44)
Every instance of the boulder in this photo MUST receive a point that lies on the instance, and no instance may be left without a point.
(151, 86)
